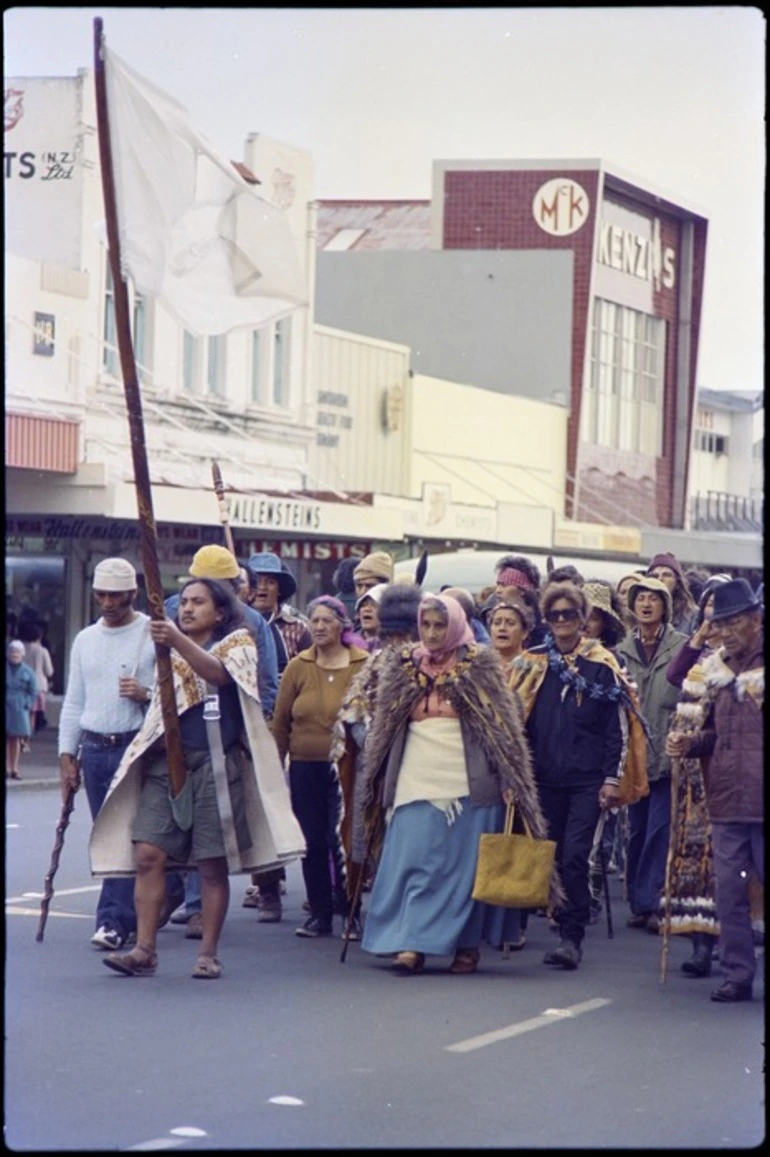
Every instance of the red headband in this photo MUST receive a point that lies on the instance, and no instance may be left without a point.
(510, 577)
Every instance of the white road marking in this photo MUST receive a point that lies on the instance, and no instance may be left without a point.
(58, 892)
(550, 1016)
(156, 1143)
(9, 826)
(284, 1101)
(10, 911)
(188, 1131)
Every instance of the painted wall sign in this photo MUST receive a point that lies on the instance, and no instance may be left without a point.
(643, 257)
(561, 206)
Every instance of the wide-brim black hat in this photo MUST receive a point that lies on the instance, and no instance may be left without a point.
(733, 598)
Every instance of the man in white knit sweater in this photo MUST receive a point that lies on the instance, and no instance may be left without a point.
(111, 673)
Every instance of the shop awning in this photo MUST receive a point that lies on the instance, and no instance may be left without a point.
(34, 442)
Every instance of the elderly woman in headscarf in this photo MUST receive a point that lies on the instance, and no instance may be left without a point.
(445, 753)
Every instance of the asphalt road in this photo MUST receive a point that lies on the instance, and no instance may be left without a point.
(292, 1049)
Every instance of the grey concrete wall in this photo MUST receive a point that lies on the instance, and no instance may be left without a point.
(497, 319)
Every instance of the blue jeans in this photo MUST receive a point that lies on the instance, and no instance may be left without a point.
(192, 892)
(115, 906)
(649, 824)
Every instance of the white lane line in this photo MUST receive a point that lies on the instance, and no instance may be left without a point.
(58, 892)
(10, 911)
(156, 1143)
(550, 1016)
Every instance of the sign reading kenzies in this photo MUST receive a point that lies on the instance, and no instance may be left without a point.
(561, 206)
(274, 513)
(643, 257)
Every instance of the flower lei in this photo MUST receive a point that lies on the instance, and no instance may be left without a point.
(571, 677)
(428, 683)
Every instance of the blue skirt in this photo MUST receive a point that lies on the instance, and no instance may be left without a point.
(421, 898)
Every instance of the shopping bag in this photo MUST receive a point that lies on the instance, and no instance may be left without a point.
(514, 870)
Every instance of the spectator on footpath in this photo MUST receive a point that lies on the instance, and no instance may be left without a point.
(731, 741)
(20, 695)
(583, 729)
(109, 685)
(309, 698)
(218, 563)
(271, 585)
(684, 609)
(38, 657)
(647, 652)
(232, 813)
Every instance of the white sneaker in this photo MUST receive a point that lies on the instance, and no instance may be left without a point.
(180, 915)
(107, 939)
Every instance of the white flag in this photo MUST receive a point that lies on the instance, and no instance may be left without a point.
(192, 232)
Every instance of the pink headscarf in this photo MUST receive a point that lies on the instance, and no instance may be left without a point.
(458, 632)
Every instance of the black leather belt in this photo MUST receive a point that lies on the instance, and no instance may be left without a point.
(116, 739)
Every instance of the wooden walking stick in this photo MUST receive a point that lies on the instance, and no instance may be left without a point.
(147, 534)
(224, 517)
(359, 885)
(675, 770)
(605, 879)
(58, 844)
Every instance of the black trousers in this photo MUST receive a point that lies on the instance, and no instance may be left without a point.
(572, 814)
(316, 800)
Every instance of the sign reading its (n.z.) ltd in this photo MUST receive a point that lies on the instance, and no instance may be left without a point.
(561, 206)
(43, 173)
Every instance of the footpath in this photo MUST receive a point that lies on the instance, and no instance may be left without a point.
(40, 766)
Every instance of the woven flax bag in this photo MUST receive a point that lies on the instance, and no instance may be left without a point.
(513, 870)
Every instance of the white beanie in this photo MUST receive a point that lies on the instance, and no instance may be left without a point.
(114, 574)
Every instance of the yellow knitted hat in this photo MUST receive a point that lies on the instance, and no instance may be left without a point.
(214, 562)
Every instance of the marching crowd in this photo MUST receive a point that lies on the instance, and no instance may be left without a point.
(379, 735)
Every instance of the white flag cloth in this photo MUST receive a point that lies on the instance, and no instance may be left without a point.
(192, 232)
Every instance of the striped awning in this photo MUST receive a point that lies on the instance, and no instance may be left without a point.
(33, 442)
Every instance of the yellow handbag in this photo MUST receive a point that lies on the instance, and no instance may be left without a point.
(513, 870)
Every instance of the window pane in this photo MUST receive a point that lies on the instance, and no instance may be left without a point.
(188, 362)
(281, 362)
(109, 351)
(256, 392)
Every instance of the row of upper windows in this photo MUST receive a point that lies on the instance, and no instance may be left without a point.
(204, 359)
(709, 442)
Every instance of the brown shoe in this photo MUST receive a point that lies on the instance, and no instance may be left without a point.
(409, 963)
(466, 961)
(194, 927)
(137, 962)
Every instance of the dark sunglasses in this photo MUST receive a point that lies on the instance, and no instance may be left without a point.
(568, 616)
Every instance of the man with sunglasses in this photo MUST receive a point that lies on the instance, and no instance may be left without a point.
(572, 694)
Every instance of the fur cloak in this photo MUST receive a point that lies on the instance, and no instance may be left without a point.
(276, 836)
(489, 714)
(526, 677)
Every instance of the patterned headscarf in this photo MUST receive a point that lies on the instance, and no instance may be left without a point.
(458, 631)
(348, 635)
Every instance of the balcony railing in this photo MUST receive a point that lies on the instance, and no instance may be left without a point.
(717, 511)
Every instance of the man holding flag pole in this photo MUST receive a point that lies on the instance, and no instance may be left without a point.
(188, 230)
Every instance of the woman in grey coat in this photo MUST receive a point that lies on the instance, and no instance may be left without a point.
(647, 650)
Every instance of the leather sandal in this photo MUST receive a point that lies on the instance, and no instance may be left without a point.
(466, 961)
(207, 968)
(138, 962)
(409, 963)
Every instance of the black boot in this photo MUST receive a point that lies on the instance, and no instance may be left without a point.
(699, 963)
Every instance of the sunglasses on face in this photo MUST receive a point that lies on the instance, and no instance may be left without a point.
(568, 616)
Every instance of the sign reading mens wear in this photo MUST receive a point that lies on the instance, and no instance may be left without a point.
(561, 206)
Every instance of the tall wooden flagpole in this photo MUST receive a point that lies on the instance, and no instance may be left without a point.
(147, 535)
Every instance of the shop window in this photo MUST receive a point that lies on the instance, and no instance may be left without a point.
(35, 590)
(216, 365)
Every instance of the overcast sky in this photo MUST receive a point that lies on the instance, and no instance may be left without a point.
(674, 96)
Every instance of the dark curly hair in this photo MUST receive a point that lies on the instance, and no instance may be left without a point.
(519, 562)
(225, 600)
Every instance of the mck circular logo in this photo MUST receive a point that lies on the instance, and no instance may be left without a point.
(561, 206)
